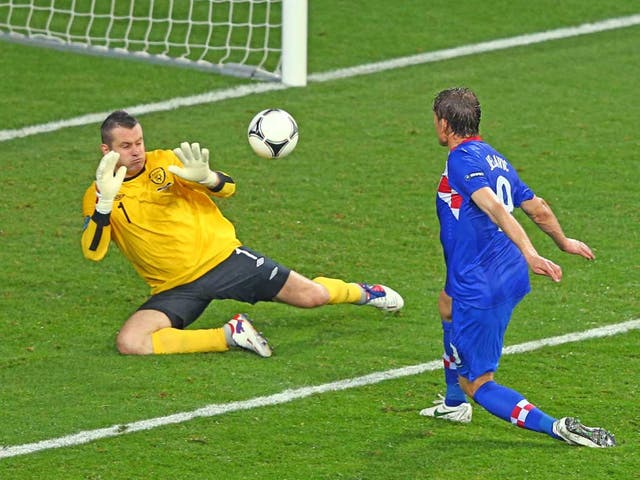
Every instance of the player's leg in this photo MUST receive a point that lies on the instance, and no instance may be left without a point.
(159, 327)
(454, 395)
(302, 292)
(134, 338)
(255, 277)
(454, 405)
(513, 407)
(477, 340)
(150, 331)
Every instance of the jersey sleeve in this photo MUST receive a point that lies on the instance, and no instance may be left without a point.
(226, 187)
(522, 193)
(96, 232)
(466, 174)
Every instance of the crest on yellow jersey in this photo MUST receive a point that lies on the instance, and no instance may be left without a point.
(158, 176)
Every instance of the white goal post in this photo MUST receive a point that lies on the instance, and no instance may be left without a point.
(261, 39)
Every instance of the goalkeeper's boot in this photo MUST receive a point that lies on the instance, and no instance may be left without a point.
(460, 413)
(246, 336)
(573, 432)
(382, 297)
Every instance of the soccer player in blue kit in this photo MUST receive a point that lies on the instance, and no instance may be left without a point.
(487, 255)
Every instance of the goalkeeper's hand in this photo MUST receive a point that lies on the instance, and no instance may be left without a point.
(108, 182)
(195, 165)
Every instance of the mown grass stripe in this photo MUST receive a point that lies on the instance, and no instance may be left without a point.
(287, 396)
(333, 75)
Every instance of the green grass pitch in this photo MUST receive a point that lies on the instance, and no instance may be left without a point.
(355, 200)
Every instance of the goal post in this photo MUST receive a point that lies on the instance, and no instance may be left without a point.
(260, 39)
(294, 42)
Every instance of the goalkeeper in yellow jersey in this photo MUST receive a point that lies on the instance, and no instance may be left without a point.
(157, 208)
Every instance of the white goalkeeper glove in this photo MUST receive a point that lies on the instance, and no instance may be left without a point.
(108, 182)
(195, 165)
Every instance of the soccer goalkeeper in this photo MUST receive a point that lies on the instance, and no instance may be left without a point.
(157, 208)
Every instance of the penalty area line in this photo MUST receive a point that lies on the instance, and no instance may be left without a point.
(287, 396)
(332, 75)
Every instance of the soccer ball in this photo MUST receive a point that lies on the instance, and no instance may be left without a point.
(273, 133)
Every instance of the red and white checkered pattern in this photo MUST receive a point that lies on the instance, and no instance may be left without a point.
(449, 362)
(520, 412)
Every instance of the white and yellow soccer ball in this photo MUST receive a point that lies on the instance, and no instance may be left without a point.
(273, 133)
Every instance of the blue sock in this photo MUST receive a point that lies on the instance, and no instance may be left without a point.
(511, 406)
(454, 395)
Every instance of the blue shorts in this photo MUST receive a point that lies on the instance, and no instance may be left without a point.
(477, 337)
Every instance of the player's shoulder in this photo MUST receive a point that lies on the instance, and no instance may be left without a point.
(481, 153)
(476, 149)
(468, 155)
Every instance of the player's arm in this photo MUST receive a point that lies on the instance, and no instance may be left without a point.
(542, 215)
(224, 188)
(488, 202)
(96, 236)
(195, 168)
(97, 230)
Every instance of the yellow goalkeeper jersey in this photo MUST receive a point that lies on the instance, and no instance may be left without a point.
(170, 229)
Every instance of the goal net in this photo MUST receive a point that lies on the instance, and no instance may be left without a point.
(262, 39)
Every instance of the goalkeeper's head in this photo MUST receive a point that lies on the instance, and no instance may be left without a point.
(122, 133)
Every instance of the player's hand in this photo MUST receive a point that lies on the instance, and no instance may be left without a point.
(195, 165)
(541, 266)
(576, 247)
(108, 182)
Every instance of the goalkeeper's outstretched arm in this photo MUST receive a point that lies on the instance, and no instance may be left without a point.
(97, 230)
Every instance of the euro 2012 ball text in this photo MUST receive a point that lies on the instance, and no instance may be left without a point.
(273, 133)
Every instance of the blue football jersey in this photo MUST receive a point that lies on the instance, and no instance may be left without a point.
(484, 267)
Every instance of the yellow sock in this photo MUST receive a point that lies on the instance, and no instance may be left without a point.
(340, 291)
(173, 340)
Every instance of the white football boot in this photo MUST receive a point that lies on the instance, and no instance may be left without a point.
(572, 431)
(382, 297)
(461, 413)
(246, 336)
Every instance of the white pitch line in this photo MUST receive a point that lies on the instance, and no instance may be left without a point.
(483, 47)
(251, 89)
(287, 396)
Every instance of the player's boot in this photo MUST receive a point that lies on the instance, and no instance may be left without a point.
(382, 297)
(247, 337)
(460, 413)
(572, 431)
